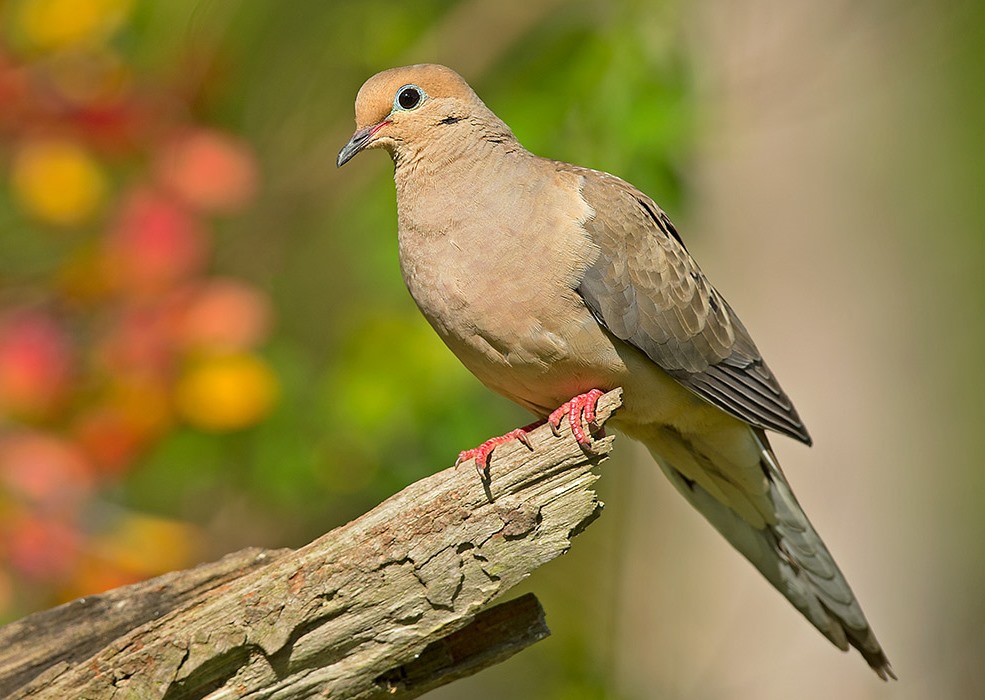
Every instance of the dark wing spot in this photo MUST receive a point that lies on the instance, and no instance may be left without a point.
(663, 223)
(673, 230)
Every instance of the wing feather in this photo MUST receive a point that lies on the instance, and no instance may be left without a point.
(646, 289)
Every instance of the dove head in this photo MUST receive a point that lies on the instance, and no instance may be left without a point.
(409, 110)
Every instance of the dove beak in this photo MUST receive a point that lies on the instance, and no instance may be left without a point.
(360, 140)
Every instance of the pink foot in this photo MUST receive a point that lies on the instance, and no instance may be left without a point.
(580, 412)
(481, 453)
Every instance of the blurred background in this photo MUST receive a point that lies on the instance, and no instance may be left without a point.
(205, 342)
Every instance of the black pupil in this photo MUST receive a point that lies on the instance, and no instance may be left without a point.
(408, 98)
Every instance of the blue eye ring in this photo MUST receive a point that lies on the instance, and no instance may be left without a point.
(409, 97)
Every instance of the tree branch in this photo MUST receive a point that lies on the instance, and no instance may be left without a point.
(388, 606)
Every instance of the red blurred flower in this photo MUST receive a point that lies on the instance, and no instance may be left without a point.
(35, 365)
(155, 244)
(44, 470)
(42, 548)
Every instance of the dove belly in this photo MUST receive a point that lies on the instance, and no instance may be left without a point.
(539, 350)
(530, 362)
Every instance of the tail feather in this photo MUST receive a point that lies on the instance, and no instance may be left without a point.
(785, 548)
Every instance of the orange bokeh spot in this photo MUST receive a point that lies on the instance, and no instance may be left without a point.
(224, 314)
(148, 545)
(115, 430)
(134, 548)
(109, 438)
(84, 277)
(226, 392)
(92, 575)
(209, 170)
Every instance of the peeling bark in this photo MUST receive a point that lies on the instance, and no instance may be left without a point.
(390, 605)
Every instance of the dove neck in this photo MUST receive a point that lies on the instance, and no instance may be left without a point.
(452, 148)
(435, 193)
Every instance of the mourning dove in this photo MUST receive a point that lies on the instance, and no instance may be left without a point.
(553, 283)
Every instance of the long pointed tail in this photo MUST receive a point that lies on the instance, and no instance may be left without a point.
(754, 508)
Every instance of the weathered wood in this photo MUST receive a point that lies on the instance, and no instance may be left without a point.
(77, 630)
(388, 606)
(494, 634)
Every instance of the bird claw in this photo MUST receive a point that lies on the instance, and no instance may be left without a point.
(580, 411)
(482, 453)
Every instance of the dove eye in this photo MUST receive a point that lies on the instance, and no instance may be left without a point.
(408, 97)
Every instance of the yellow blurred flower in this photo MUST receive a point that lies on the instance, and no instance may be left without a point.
(133, 548)
(54, 24)
(226, 392)
(148, 545)
(58, 181)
